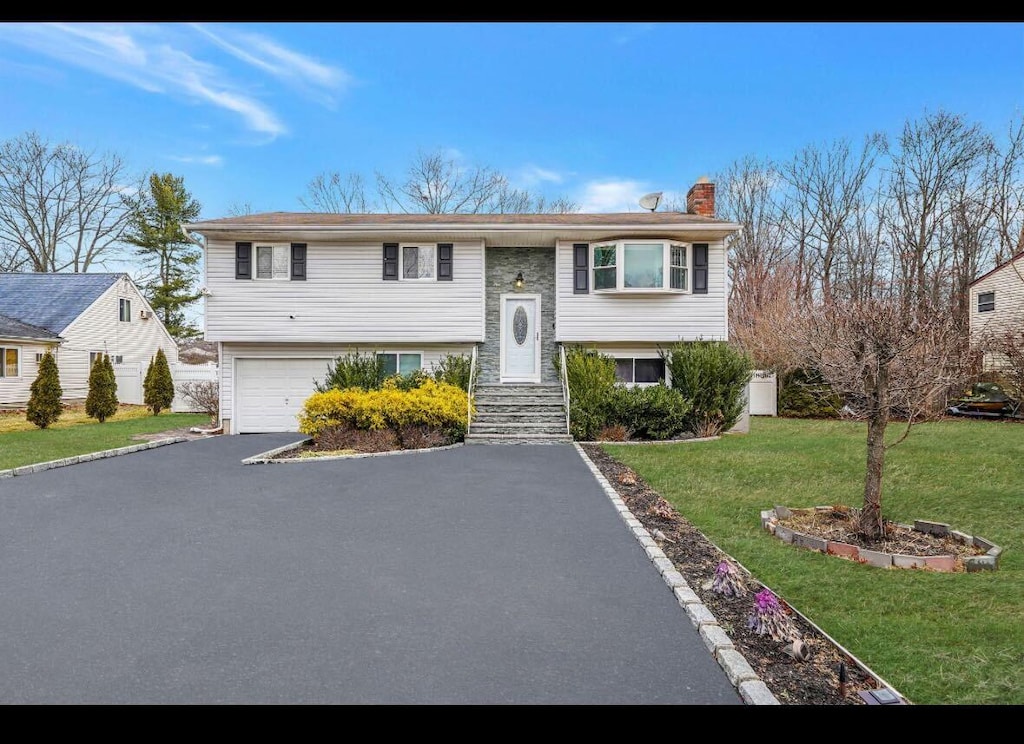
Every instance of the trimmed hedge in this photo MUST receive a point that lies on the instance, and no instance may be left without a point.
(432, 404)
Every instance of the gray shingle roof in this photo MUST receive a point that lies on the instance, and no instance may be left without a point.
(50, 301)
(11, 328)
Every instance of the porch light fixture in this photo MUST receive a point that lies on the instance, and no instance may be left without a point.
(519, 280)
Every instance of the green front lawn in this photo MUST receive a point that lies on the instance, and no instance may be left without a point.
(954, 639)
(19, 448)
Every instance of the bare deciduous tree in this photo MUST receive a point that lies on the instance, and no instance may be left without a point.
(60, 207)
(337, 194)
(204, 395)
(436, 183)
(828, 185)
(887, 359)
(934, 169)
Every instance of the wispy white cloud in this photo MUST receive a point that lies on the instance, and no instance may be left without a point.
(631, 32)
(198, 159)
(289, 66)
(611, 195)
(531, 175)
(146, 56)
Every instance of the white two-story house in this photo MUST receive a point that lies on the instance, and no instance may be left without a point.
(289, 292)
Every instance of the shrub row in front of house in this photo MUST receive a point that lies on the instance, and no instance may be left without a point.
(359, 406)
(705, 395)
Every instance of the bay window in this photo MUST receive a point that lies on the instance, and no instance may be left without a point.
(648, 266)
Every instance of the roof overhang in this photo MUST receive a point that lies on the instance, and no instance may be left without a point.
(509, 234)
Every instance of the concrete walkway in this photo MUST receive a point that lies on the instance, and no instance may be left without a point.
(471, 575)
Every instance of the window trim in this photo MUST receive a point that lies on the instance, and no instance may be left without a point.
(987, 306)
(124, 308)
(286, 248)
(666, 287)
(432, 263)
(3, 362)
(398, 357)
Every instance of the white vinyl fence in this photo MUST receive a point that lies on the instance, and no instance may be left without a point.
(129, 379)
(763, 394)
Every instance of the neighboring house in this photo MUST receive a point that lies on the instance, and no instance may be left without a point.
(78, 316)
(286, 293)
(997, 304)
(21, 349)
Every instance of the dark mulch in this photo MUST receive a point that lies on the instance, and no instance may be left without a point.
(811, 682)
(342, 438)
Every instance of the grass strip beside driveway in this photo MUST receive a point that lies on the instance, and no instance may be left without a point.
(20, 448)
(953, 639)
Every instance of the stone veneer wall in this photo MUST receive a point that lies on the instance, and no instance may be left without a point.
(538, 267)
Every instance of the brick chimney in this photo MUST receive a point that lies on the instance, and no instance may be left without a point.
(700, 199)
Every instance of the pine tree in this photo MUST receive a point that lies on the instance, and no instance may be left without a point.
(158, 387)
(101, 402)
(44, 406)
(171, 260)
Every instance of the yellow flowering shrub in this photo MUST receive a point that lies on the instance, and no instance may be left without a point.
(433, 404)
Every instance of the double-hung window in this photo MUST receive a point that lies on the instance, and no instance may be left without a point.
(400, 362)
(986, 302)
(10, 361)
(124, 310)
(272, 261)
(641, 266)
(418, 262)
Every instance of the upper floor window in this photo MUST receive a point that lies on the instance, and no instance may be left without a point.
(272, 261)
(10, 361)
(418, 262)
(986, 302)
(124, 310)
(647, 266)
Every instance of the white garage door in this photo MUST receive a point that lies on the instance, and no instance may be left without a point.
(269, 393)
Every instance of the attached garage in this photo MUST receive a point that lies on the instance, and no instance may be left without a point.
(269, 393)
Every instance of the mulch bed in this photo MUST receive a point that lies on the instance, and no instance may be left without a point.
(793, 682)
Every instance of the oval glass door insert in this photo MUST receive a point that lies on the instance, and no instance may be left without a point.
(519, 325)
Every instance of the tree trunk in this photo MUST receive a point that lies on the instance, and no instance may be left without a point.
(870, 524)
(870, 513)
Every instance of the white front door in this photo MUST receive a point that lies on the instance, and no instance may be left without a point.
(520, 338)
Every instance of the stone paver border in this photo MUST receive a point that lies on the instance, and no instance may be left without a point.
(270, 456)
(751, 688)
(942, 563)
(75, 459)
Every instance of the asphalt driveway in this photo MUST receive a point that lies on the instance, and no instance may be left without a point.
(474, 575)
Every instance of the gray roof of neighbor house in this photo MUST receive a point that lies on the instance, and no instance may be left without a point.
(51, 301)
(11, 328)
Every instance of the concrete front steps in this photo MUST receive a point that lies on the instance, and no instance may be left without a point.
(518, 414)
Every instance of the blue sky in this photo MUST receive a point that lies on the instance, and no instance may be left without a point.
(598, 112)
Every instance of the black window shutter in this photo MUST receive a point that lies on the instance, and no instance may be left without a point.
(444, 262)
(700, 268)
(580, 268)
(299, 262)
(243, 260)
(391, 262)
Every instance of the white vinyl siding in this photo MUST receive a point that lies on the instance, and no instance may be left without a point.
(15, 391)
(1007, 286)
(622, 317)
(230, 353)
(98, 329)
(345, 299)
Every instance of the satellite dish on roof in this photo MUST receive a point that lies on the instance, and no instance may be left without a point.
(651, 201)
